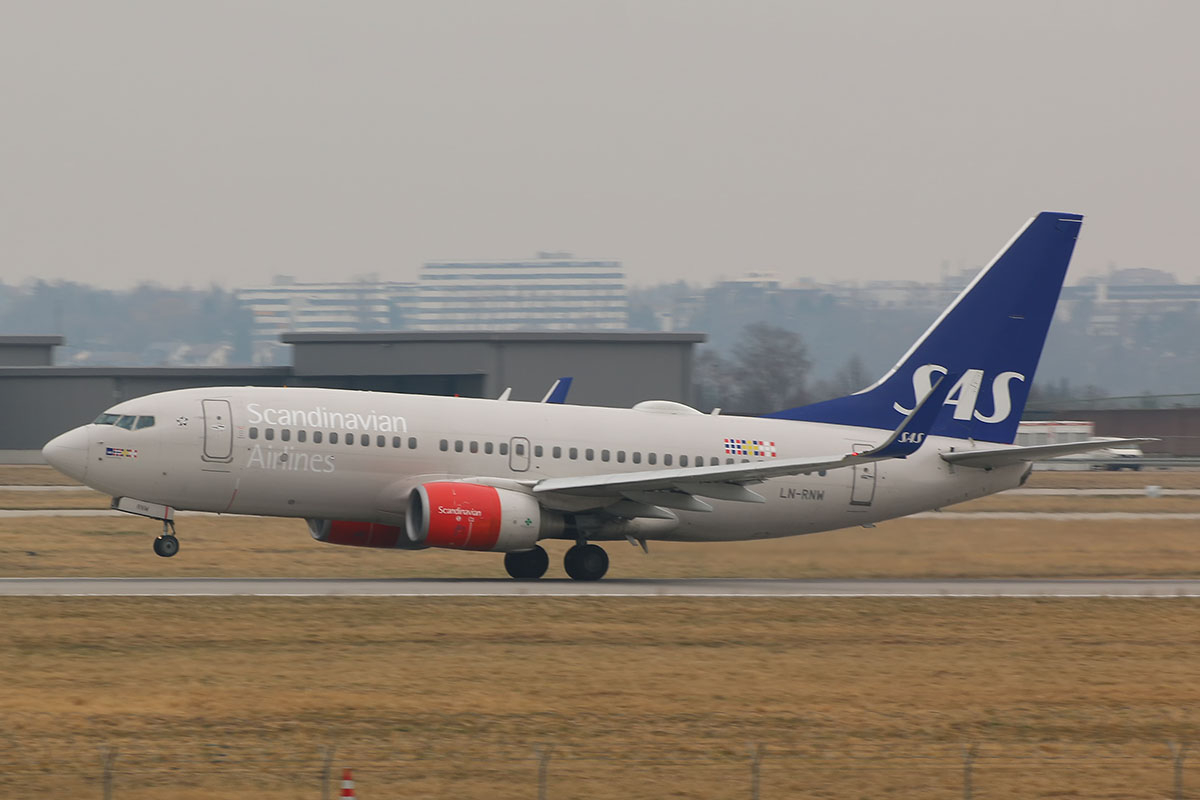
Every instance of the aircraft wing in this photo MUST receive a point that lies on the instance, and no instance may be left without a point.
(1006, 456)
(677, 488)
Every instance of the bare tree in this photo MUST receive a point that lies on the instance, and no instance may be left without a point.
(768, 369)
(710, 380)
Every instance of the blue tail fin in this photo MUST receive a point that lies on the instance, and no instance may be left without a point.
(990, 337)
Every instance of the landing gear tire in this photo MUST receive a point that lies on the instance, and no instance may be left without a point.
(586, 562)
(527, 565)
(166, 546)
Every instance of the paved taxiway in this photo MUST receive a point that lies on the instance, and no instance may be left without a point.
(336, 587)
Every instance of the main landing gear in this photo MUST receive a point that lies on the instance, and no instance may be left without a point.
(527, 565)
(166, 545)
(586, 562)
(583, 562)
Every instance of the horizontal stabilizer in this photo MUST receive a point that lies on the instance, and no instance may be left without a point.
(1007, 456)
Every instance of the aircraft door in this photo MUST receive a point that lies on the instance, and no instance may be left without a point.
(518, 454)
(218, 430)
(862, 491)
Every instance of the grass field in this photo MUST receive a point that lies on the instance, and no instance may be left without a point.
(640, 698)
(872, 698)
(933, 547)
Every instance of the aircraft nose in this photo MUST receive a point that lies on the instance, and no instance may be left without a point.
(67, 453)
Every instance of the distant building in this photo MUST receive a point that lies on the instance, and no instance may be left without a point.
(551, 292)
(1114, 305)
(363, 305)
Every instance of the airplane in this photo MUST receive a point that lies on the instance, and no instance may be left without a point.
(408, 472)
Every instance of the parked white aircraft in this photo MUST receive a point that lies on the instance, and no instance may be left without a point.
(410, 471)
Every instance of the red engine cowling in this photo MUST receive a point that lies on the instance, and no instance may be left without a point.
(359, 534)
(468, 516)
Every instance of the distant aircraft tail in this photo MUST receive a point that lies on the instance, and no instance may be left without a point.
(990, 338)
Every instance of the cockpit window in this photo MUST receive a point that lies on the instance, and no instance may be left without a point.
(126, 422)
(143, 422)
(107, 419)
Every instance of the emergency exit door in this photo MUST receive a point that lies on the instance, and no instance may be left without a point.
(862, 491)
(218, 430)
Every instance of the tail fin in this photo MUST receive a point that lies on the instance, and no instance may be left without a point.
(991, 336)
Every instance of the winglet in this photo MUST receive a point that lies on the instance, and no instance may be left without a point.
(909, 437)
(558, 391)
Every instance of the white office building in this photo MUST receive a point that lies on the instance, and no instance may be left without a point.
(551, 292)
(286, 305)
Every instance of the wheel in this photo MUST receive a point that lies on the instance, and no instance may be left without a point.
(527, 565)
(166, 546)
(586, 562)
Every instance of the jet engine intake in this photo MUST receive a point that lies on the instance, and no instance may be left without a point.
(469, 516)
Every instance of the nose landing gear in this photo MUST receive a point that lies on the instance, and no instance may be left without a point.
(166, 545)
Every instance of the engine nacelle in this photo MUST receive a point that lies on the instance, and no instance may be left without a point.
(469, 516)
(360, 534)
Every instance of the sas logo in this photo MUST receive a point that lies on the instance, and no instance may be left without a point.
(908, 437)
(120, 452)
(964, 395)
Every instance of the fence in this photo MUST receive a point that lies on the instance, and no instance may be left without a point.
(974, 771)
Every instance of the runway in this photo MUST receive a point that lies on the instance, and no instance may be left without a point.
(337, 587)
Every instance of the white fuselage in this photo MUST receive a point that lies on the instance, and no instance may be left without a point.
(254, 450)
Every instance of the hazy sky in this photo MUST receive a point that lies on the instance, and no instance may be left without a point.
(190, 142)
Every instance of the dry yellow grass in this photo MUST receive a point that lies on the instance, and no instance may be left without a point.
(1102, 479)
(215, 698)
(1056, 504)
(33, 475)
(640, 698)
(84, 498)
(235, 546)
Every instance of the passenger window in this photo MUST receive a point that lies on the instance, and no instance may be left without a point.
(713, 462)
(443, 445)
(520, 448)
(144, 422)
(269, 433)
(666, 459)
(683, 461)
(285, 435)
(557, 451)
(316, 437)
(620, 456)
(488, 447)
(589, 454)
(458, 445)
(637, 457)
(301, 436)
(254, 433)
(651, 458)
(729, 461)
(573, 453)
(349, 438)
(504, 448)
(396, 441)
(333, 437)
(126, 422)
(537, 450)
(412, 443)
(474, 447)
(604, 454)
